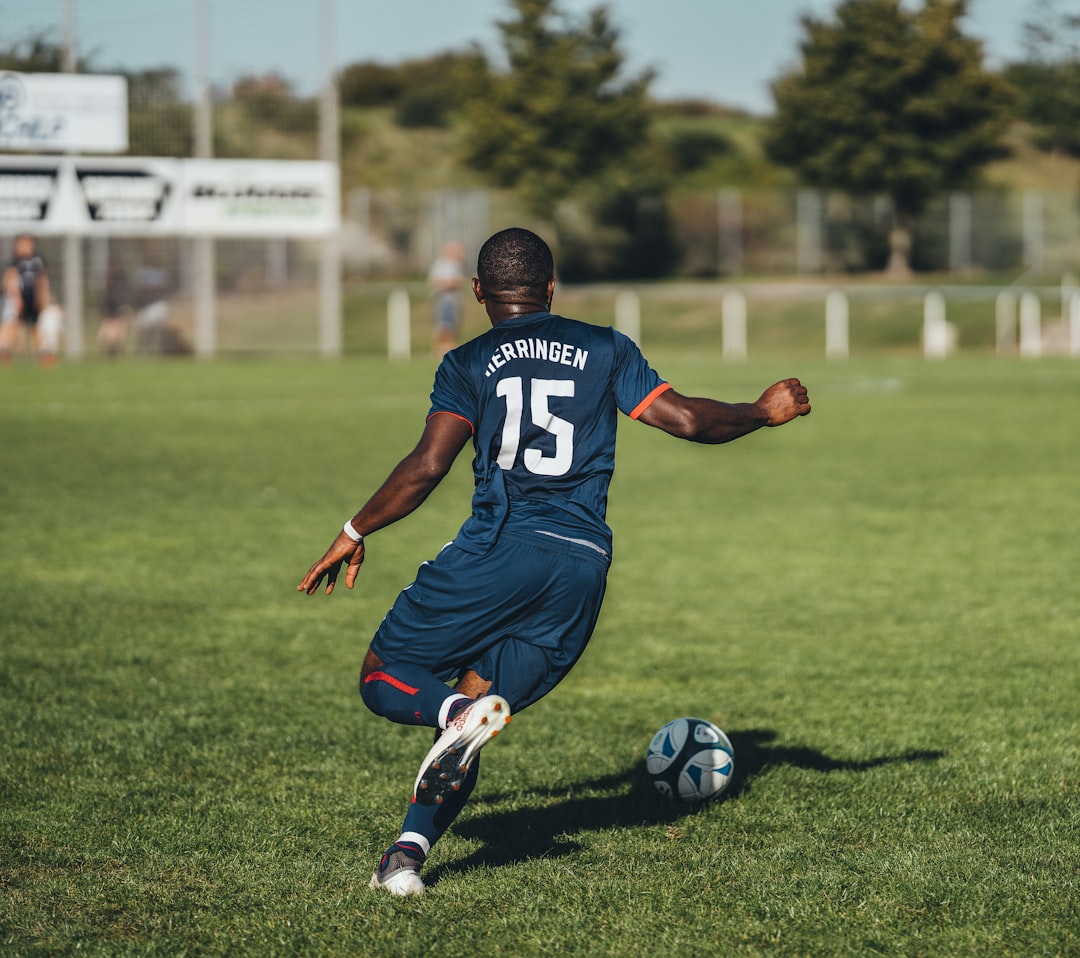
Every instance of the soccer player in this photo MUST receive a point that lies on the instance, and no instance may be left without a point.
(26, 301)
(505, 610)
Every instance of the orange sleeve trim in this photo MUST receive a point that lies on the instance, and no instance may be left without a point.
(446, 412)
(649, 400)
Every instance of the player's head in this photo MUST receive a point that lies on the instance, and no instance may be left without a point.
(25, 246)
(515, 260)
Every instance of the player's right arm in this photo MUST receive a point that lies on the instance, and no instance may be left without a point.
(12, 291)
(410, 483)
(712, 421)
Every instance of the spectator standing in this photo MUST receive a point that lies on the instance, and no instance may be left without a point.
(113, 331)
(446, 279)
(27, 303)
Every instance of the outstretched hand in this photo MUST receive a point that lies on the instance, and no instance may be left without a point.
(784, 401)
(342, 549)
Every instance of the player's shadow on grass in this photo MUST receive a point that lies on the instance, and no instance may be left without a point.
(547, 830)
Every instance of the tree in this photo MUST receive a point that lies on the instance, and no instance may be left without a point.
(270, 102)
(423, 92)
(1048, 79)
(37, 53)
(159, 119)
(561, 114)
(889, 100)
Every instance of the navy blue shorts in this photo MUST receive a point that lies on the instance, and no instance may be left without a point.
(519, 616)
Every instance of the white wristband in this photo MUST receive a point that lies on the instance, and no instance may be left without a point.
(352, 533)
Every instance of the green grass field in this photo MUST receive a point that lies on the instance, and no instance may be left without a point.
(880, 604)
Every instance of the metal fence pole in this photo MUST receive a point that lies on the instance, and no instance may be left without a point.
(330, 302)
(74, 325)
(959, 232)
(204, 258)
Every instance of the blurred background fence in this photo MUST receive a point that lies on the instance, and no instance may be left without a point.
(737, 232)
(266, 290)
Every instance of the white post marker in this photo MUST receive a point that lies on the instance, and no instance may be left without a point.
(1030, 325)
(733, 308)
(628, 314)
(398, 325)
(836, 325)
(1074, 325)
(935, 328)
(1005, 321)
(1069, 284)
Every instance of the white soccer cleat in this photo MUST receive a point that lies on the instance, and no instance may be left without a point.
(444, 767)
(398, 874)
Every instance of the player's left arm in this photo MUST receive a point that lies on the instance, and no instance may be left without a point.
(42, 292)
(712, 421)
(410, 483)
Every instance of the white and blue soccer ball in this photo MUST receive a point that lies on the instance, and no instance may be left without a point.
(690, 760)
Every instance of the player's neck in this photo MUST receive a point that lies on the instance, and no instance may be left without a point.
(499, 312)
(502, 305)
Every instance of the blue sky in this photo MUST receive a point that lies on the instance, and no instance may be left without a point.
(723, 50)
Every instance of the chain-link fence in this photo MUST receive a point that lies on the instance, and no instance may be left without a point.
(738, 233)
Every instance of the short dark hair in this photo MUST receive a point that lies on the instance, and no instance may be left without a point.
(515, 259)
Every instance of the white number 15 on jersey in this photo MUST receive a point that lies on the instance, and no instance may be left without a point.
(541, 391)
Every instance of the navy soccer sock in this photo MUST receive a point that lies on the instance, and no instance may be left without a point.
(432, 821)
(456, 706)
(406, 694)
(413, 849)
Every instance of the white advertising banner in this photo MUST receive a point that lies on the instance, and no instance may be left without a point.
(260, 197)
(137, 196)
(125, 196)
(29, 187)
(63, 112)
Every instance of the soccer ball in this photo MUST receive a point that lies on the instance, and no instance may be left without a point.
(690, 759)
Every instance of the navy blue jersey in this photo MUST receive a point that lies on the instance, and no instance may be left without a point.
(542, 394)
